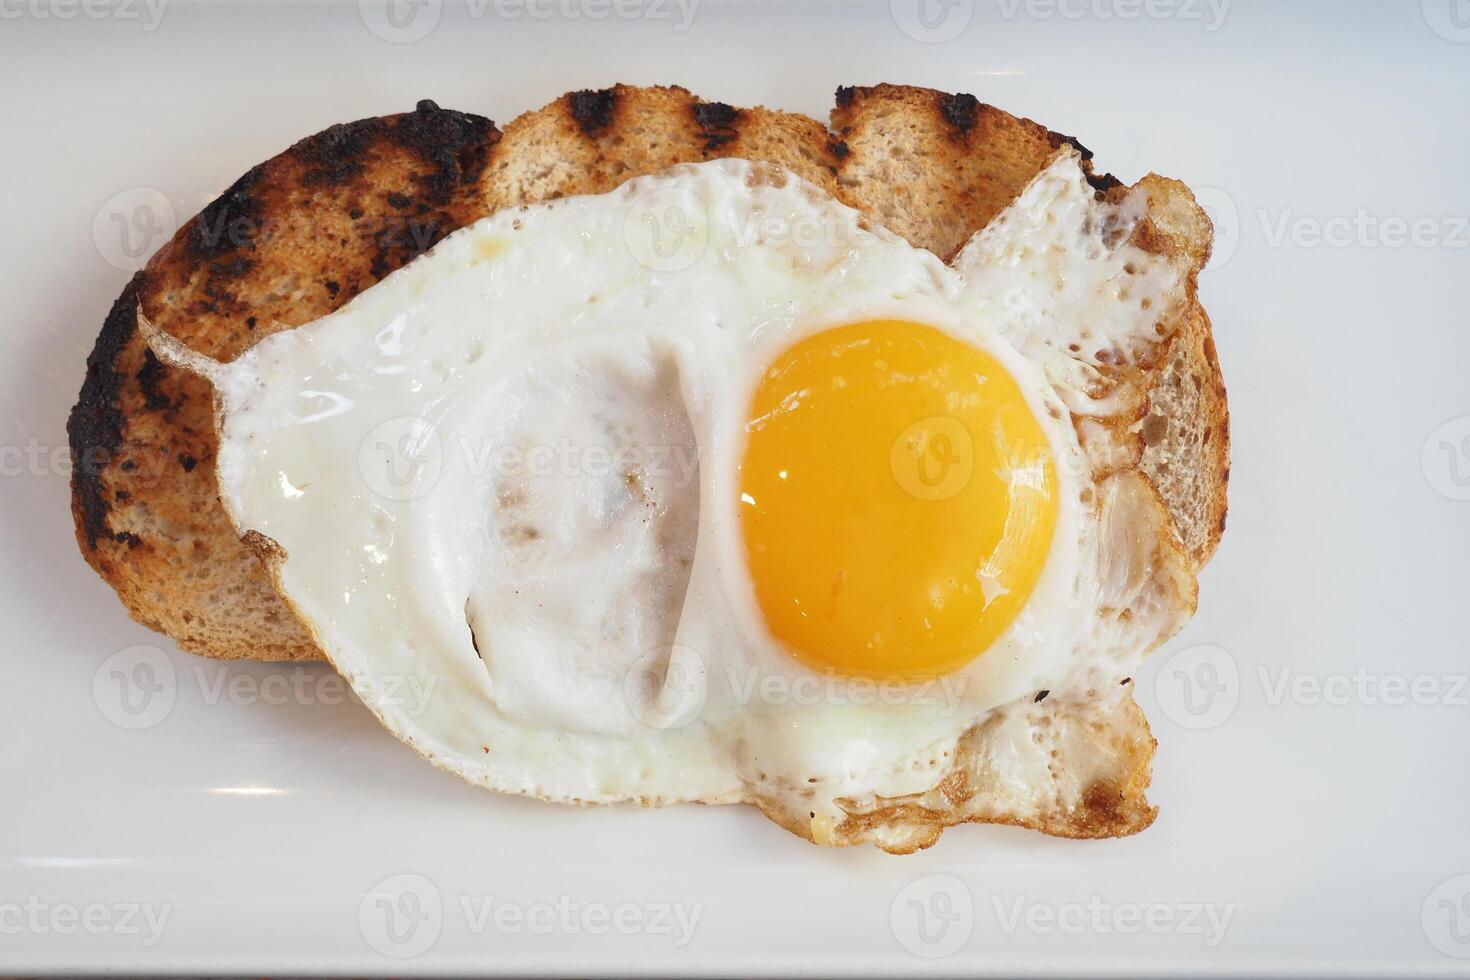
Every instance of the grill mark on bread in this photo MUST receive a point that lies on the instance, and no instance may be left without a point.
(960, 111)
(95, 428)
(593, 110)
(238, 207)
(455, 145)
(335, 155)
(718, 122)
(149, 377)
(452, 143)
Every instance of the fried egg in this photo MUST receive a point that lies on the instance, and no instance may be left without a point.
(708, 489)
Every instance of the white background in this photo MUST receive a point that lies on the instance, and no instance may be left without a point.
(1330, 833)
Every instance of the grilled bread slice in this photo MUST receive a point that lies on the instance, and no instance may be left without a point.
(299, 235)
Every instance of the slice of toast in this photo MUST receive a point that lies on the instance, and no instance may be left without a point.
(301, 234)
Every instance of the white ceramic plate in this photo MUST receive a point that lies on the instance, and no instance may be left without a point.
(1312, 719)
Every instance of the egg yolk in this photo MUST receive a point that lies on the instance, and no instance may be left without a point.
(897, 500)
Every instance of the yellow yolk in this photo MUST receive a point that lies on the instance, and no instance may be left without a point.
(897, 499)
